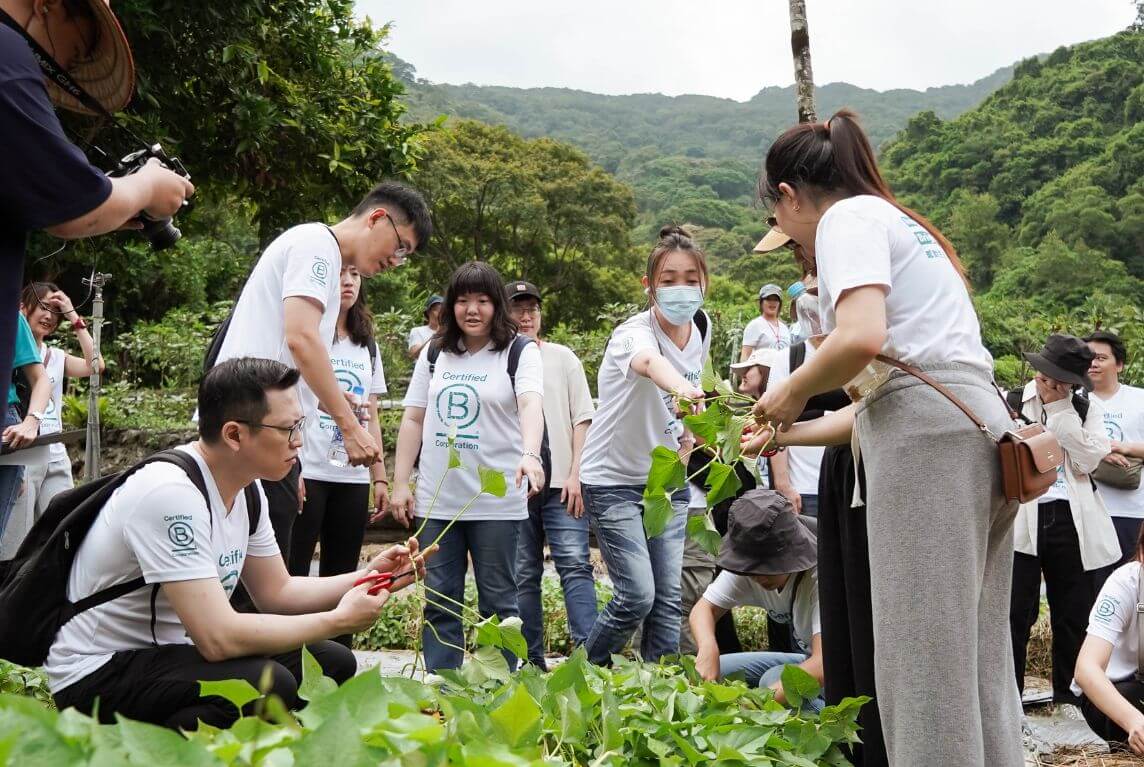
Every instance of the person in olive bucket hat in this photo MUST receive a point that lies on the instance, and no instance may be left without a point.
(768, 559)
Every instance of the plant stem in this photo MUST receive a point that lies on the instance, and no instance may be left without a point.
(433, 502)
(453, 521)
(462, 605)
(439, 639)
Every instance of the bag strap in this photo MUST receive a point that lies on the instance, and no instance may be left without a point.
(432, 354)
(925, 378)
(514, 352)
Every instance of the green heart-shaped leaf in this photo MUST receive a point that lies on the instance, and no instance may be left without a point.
(667, 470)
(492, 481)
(657, 512)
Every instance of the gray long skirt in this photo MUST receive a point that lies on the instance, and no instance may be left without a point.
(941, 565)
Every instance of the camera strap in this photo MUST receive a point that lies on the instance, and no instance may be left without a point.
(54, 72)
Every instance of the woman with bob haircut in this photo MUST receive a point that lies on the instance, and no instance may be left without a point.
(939, 526)
(462, 392)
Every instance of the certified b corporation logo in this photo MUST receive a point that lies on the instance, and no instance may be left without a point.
(182, 535)
(458, 405)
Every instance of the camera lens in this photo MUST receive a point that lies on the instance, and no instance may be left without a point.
(161, 233)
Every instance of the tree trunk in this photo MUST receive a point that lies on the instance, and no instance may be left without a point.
(800, 49)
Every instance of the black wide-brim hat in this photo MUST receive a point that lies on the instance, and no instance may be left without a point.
(1065, 358)
(765, 537)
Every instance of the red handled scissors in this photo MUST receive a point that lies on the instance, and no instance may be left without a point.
(381, 581)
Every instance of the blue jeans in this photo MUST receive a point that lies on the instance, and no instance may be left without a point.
(10, 476)
(762, 669)
(645, 573)
(568, 542)
(492, 545)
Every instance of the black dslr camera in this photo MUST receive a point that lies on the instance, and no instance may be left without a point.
(160, 232)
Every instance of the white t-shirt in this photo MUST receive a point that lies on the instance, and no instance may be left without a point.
(761, 334)
(1059, 490)
(420, 335)
(634, 415)
(865, 240)
(302, 261)
(473, 393)
(800, 610)
(567, 402)
(1124, 422)
(1113, 619)
(805, 462)
(54, 360)
(155, 525)
(352, 367)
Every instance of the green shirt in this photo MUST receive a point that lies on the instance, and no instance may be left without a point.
(26, 353)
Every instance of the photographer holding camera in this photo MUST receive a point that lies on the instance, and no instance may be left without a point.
(71, 53)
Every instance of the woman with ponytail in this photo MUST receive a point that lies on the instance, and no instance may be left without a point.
(940, 529)
(652, 361)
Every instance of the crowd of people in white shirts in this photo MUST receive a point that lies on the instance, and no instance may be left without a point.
(851, 503)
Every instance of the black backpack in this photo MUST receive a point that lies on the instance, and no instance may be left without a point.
(514, 352)
(33, 586)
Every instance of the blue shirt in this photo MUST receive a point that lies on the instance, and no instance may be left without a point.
(26, 353)
(44, 179)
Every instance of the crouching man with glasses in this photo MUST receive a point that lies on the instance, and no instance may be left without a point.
(144, 653)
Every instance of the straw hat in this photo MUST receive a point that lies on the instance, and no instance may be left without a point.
(109, 75)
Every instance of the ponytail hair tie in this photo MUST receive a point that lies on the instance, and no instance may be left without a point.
(826, 126)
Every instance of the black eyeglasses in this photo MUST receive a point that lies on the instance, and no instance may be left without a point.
(292, 432)
(403, 250)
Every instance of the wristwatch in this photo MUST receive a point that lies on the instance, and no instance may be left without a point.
(529, 453)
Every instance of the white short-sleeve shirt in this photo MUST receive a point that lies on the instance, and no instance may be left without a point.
(1124, 422)
(865, 240)
(303, 261)
(800, 609)
(420, 335)
(761, 334)
(634, 416)
(352, 367)
(1113, 619)
(473, 394)
(156, 525)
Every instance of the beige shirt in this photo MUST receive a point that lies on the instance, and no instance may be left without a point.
(567, 402)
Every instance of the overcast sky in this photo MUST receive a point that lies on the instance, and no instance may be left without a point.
(729, 48)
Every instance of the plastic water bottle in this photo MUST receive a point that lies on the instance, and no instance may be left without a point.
(806, 309)
(338, 455)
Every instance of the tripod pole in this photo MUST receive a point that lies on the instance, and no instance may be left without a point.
(91, 455)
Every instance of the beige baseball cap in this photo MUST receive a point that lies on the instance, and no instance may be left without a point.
(772, 240)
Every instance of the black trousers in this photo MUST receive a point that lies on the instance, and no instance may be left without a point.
(1104, 727)
(336, 514)
(160, 684)
(283, 502)
(1070, 591)
(844, 602)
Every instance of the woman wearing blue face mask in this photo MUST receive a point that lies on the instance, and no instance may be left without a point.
(652, 360)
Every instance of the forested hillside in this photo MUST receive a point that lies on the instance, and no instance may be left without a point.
(1042, 190)
(688, 159)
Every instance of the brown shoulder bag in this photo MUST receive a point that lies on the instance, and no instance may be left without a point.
(1030, 455)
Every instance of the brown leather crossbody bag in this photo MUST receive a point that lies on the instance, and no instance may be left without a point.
(1030, 455)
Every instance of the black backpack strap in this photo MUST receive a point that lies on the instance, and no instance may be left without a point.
(189, 465)
(1081, 404)
(253, 505)
(514, 352)
(431, 356)
(703, 322)
(371, 347)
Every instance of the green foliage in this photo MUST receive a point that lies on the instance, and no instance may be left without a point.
(29, 682)
(537, 209)
(581, 714)
(169, 353)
